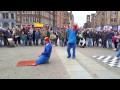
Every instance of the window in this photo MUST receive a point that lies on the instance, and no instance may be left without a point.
(18, 12)
(113, 13)
(33, 12)
(37, 20)
(43, 13)
(31, 19)
(41, 20)
(3, 15)
(6, 15)
(27, 19)
(12, 16)
(22, 19)
(29, 12)
(37, 12)
(23, 12)
(103, 13)
(47, 14)
(18, 18)
(113, 20)
(0, 15)
(51, 16)
(102, 19)
(40, 12)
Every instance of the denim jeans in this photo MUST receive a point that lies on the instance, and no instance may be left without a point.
(110, 43)
(0, 42)
(104, 43)
(71, 45)
(36, 40)
(118, 53)
(90, 42)
(97, 42)
(23, 42)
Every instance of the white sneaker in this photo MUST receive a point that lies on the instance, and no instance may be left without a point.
(114, 49)
(115, 58)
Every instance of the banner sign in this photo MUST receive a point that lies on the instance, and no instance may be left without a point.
(38, 25)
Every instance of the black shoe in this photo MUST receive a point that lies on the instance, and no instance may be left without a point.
(68, 56)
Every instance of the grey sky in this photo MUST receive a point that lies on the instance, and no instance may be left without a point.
(80, 16)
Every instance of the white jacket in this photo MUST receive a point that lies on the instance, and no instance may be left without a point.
(82, 41)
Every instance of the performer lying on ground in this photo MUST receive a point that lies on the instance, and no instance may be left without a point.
(45, 56)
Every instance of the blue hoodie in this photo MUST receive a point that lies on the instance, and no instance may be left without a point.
(72, 35)
(48, 50)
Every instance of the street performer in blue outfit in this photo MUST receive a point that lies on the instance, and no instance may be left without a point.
(72, 40)
(45, 56)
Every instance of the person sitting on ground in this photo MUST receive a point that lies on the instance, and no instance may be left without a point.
(45, 56)
(82, 42)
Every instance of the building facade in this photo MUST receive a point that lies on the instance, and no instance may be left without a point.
(71, 19)
(7, 19)
(106, 20)
(62, 19)
(56, 19)
(92, 20)
(66, 18)
(59, 19)
(30, 17)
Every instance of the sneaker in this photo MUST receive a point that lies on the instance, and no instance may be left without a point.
(115, 58)
(68, 56)
(47, 61)
(114, 49)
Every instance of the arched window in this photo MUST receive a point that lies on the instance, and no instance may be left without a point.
(12, 16)
(3, 15)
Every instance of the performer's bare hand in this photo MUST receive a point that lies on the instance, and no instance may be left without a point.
(40, 55)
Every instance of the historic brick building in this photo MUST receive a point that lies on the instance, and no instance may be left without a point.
(29, 17)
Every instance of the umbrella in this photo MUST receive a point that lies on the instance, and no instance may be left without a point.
(27, 26)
